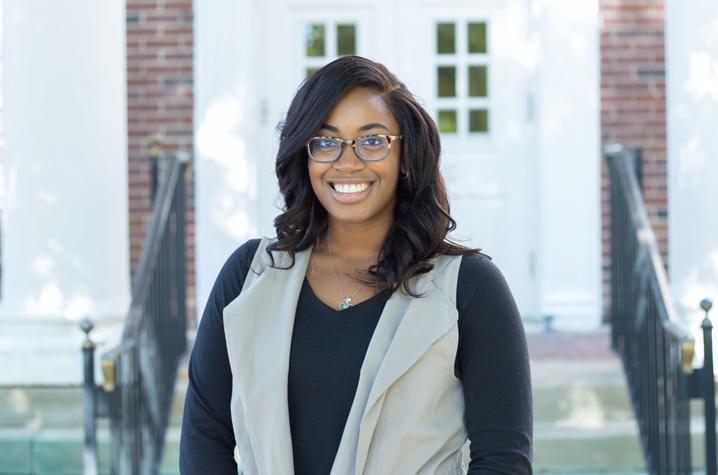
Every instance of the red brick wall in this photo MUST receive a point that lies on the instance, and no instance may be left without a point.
(159, 104)
(633, 105)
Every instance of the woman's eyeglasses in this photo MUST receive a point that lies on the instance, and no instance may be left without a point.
(370, 148)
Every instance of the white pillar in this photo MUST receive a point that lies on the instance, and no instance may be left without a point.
(226, 132)
(64, 222)
(568, 101)
(692, 121)
(2, 114)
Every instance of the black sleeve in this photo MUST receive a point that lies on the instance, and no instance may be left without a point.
(493, 364)
(207, 439)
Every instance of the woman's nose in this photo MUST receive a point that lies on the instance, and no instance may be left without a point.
(348, 159)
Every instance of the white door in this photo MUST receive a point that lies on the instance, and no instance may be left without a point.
(461, 63)
(464, 65)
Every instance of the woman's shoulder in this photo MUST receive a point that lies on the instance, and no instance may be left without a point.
(480, 278)
(231, 277)
(245, 252)
(240, 259)
(475, 264)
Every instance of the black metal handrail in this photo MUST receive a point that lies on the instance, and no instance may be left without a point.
(140, 372)
(656, 349)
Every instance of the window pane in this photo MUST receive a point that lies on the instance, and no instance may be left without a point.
(346, 39)
(477, 37)
(446, 81)
(447, 121)
(477, 81)
(445, 38)
(311, 71)
(478, 120)
(314, 39)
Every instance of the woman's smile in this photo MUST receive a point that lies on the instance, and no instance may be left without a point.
(349, 193)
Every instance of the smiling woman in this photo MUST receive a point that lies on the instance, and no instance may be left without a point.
(359, 339)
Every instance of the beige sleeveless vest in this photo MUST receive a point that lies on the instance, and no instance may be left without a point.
(407, 413)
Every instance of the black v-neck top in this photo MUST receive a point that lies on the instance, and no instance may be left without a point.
(327, 350)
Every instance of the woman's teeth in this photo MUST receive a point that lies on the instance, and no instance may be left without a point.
(350, 188)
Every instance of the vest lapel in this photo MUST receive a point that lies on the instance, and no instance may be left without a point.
(406, 330)
(260, 322)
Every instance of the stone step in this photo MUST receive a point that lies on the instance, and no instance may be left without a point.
(579, 403)
(52, 407)
(59, 451)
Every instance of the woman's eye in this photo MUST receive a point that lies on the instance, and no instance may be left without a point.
(371, 141)
(327, 143)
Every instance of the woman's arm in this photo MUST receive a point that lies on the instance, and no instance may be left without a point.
(207, 438)
(493, 363)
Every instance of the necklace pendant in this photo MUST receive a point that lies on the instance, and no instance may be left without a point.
(346, 303)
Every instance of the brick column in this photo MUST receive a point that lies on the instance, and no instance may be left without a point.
(633, 105)
(160, 103)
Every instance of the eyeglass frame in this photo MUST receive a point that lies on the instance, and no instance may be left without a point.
(342, 142)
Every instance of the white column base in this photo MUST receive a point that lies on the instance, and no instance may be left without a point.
(573, 312)
(48, 351)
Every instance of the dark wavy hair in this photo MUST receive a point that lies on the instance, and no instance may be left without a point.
(421, 216)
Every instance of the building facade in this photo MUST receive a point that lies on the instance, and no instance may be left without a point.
(525, 94)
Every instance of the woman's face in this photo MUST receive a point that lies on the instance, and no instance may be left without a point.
(360, 112)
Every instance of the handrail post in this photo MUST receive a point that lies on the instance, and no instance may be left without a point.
(89, 403)
(709, 390)
(155, 150)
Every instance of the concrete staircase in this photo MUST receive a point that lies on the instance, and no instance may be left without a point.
(582, 415)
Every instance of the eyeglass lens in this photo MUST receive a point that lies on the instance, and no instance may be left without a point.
(327, 149)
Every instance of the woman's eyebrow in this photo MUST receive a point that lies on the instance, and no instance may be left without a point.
(373, 125)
